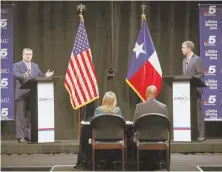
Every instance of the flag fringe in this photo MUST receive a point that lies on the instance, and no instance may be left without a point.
(75, 108)
(134, 89)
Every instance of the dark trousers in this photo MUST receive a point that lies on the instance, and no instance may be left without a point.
(23, 125)
(200, 116)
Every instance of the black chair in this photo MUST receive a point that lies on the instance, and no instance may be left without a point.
(108, 133)
(153, 133)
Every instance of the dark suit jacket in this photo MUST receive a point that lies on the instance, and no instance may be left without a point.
(99, 111)
(195, 67)
(19, 70)
(150, 106)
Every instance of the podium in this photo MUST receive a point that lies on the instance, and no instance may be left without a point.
(184, 106)
(42, 108)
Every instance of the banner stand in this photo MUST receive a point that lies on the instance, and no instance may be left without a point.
(210, 24)
(6, 53)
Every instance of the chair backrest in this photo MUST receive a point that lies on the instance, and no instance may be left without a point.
(108, 127)
(152, 126)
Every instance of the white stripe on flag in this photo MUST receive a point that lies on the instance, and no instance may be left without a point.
(155, 63)
(75, 81)
(73, 96)
(76, 87)
(85, 92)
(85, 74)
(91, 71)
(90, 53)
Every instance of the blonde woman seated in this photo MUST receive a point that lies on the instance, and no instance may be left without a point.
(109, 105)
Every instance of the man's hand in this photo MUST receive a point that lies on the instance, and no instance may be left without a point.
(48, 73)
(26, 75)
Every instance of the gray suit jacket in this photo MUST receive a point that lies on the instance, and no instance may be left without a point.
(19, 70)
(150, 106)
(195, 67)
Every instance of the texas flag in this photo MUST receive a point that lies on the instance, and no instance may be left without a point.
(144, 69)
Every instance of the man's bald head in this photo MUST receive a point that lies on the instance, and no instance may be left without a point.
(151, 92)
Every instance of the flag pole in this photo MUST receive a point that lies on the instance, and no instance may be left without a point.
(143, 16)
(80, 8)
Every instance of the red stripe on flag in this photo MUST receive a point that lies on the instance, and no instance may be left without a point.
(77, 78)
(181, 128)
(91, 63)
(88, 74)
(144, 77)
(70, 92)
(83, 76)
(46, 129)
(89, 58)
(73, 85)
(68, 87)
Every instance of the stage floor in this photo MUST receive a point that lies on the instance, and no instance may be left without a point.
(72, 146)
(65, 162)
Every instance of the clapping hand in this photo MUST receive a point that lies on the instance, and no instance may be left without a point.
(49, 74)
(26, 75)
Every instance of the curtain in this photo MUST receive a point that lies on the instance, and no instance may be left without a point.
(49, 28)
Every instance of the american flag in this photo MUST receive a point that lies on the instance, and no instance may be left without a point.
(81, 80)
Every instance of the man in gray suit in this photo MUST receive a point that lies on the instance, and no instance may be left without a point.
(151, 105)
(23, 71)
(193, 66)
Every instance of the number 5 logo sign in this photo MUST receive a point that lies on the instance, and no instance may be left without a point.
(4, 112)
(212, 10)
(212, 69)
(212, 99)
(212, 39)
(4, 83)
(3, 23)
(4, 53)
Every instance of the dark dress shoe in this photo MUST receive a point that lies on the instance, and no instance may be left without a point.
(21, 141)
(28, 140)
(78, 166)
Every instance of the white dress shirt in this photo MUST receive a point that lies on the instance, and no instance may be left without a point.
(188, 60)
(28, 64)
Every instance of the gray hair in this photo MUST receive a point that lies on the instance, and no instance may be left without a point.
(26, 49)
(189, 44)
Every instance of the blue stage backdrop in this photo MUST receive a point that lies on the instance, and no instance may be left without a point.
(6, 52)
(210, 18)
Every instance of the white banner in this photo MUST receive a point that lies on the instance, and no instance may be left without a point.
(181, 111)
(45, 112)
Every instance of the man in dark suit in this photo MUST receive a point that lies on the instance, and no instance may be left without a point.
(151, 105)
(193, 66)
(23, 71)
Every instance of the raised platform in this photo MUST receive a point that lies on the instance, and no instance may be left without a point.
(72, 146)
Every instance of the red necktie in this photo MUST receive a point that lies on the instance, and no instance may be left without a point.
(187, 63)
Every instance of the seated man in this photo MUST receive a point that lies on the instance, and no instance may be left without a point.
(151, 105)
